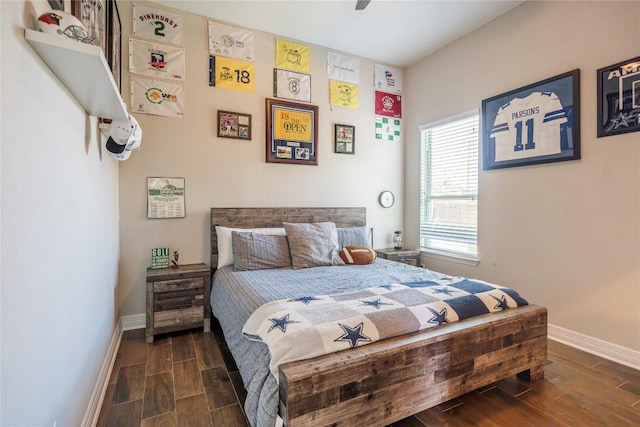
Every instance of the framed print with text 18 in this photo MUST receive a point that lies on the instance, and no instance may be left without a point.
(292, 133)
(537, 123)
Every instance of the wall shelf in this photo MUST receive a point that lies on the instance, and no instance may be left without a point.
(83, 69)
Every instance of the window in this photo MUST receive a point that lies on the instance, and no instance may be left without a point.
(449, 186)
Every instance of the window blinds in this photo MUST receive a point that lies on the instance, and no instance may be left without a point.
(449, 190)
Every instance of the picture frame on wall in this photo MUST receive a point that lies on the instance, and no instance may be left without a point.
(234, 125)
(345, 139)
(114, 42)
(535, 124)
(165, 197)
(292, 132)
(619, 98)
(93, 15)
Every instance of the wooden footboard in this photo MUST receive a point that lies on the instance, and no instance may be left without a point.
(383, 382)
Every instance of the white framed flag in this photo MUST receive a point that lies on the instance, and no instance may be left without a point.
(291, 85)
(156, 60)
(157, 24)
(388, 79)
(343, 68)
(232, 42)
(157, 97)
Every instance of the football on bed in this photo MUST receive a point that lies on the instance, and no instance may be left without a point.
(359, 255)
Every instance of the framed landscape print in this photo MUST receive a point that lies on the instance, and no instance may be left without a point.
(538, 123)
(619, 98)
(292, 133)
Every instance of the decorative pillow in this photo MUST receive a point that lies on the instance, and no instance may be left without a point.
(255, 251)
(359, 255)
(312, 244)
(352, 236)
(225, 247)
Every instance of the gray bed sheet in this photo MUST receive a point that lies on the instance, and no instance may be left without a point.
(237, 294)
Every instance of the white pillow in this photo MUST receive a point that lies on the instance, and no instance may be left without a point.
(225, 247)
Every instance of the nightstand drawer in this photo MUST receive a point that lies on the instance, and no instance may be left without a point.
(406, 260)
(187, 316)
(178, 285)
(178, 299)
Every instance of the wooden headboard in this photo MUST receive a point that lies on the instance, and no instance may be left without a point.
(273, 217)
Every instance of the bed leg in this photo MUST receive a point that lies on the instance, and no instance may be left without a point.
(532, 374)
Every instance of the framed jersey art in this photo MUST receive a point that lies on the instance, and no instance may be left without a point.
(619, 98)
(538, 123)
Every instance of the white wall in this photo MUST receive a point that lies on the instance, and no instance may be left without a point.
(230, 173)
(59, 238)
(567, 235)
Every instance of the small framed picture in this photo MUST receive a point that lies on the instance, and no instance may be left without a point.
(345, 141)
(234, 125)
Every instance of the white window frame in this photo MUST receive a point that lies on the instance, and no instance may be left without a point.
(468, 257)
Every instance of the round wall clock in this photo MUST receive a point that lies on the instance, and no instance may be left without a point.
(386, 199)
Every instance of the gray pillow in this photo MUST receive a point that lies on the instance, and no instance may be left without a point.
(313, 244)
(352, 236)
(255, 251)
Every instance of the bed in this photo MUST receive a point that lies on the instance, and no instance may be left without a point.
(369, 385)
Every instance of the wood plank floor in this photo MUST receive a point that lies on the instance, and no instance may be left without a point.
(190, 379)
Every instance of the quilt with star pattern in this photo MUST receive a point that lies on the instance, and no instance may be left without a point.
(309, 326)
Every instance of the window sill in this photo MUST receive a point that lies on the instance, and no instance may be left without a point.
(450, 257)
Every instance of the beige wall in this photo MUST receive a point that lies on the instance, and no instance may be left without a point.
(567, 235)
(224, 172)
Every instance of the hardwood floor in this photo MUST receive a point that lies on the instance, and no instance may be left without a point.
(190, 379)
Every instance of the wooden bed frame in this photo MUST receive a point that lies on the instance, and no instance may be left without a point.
(386, 381)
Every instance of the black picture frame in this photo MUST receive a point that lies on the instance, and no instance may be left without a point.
(114, 42)
(619, 98)
(234, 125)
(292, 132)
(535, 124)
(344, 139)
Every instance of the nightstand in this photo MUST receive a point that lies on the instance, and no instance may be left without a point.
(405, 256)
(178, 298)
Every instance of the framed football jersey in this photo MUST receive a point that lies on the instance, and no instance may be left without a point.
(538, 123)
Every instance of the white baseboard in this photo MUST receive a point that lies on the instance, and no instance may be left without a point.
(97, 396)
(133, 321)
(614, 352)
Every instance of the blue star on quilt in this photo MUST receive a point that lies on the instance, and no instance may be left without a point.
(377, 303)
(503, 304)
(444, 290)
(281, 323)
(438, 318)
(305, 300)
(353, 335)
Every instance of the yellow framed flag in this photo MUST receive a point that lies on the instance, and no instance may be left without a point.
(293, 56)
(344, 94)
(231, 74)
